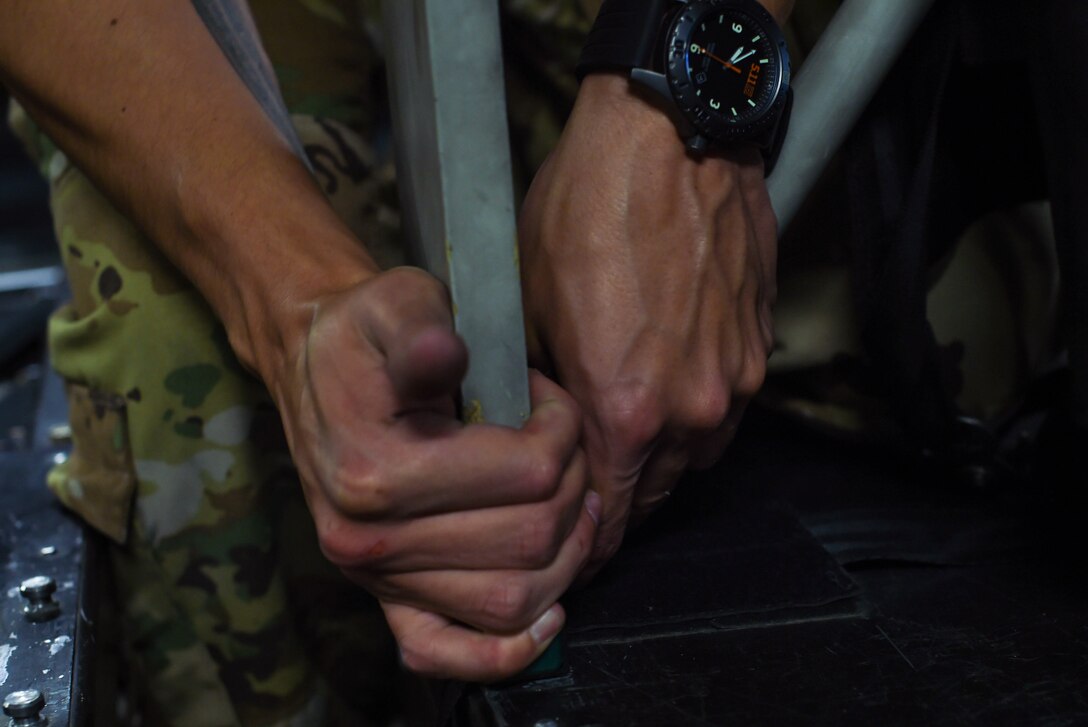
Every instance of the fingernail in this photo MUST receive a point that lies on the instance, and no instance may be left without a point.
(593, 506)
(547, 626)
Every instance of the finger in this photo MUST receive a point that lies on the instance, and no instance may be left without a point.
(613, 472)
(433, 646)
(494, 601)
(424, 363)
(523, 537)
(706, 451)
(413, 327)
(536, 350)
(659, 478)
(404, 468)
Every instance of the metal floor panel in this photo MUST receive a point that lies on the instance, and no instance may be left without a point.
(808, 582)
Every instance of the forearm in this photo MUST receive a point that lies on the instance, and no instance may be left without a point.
(141, 99)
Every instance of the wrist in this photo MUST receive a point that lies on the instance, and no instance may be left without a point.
(701, 69)
(632, 118)
(274, 248)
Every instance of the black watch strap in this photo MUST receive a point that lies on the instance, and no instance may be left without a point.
(623, 36)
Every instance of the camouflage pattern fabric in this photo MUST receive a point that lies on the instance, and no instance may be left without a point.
(993, 305)
(231, 613)
(178, 457)
(992, 302)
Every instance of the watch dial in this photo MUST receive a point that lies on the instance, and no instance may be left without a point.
(733, 65)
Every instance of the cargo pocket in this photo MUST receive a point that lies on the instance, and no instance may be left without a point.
(97, 481)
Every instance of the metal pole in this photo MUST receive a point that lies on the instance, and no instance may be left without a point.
(834, 86)
(444, 59)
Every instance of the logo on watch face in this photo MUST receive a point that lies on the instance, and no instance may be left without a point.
(725, 65)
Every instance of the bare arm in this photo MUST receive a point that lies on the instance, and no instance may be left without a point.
(649, 283)
(141, 98)
(467, 535)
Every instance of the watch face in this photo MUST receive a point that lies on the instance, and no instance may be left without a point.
(727, 65)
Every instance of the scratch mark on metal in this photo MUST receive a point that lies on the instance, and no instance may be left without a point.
(900, 651)
(58, 644)
(589, 637)
(5, 654)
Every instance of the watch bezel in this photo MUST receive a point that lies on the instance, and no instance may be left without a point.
(711, 125)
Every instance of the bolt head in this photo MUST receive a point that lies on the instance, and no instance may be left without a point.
(38, 587)
(39, 592)
(24, 703)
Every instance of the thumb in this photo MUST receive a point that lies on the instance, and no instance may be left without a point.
(425, 361)
(409, 321)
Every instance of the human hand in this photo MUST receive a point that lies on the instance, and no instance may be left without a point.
(648, 279)
(466, 534)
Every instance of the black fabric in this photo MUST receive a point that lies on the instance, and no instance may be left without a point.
(986, 109)
(1059, 71)
(623, 36)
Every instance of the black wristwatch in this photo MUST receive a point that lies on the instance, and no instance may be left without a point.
(722, 64)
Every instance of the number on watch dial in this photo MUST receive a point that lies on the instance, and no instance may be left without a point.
(732, 64)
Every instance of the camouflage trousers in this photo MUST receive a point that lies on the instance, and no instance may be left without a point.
(230, 612)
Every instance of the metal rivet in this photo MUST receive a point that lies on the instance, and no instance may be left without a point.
(48, 550)
(60, 434)
(60, 458)
(39, 591)
(547, 723)
(24, 707)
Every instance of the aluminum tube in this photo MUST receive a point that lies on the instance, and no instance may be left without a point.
(444, 59)
(833, 87)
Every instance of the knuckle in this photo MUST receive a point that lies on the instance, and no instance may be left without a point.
(335, 543)
(542, 474)
(407, 274)
(416, 281)
(538, 542)
(706, 409)
(362, 491)
(632, 414)
(507, 604)
(417, 658)
(752, 374)
(346, 547)
(500, 660)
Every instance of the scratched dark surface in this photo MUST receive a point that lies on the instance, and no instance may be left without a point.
(806, 581)
(37, 655)
(37, 537)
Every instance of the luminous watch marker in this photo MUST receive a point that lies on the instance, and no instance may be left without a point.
(731, 68)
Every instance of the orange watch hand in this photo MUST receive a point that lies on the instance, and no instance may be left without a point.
(727, 64)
